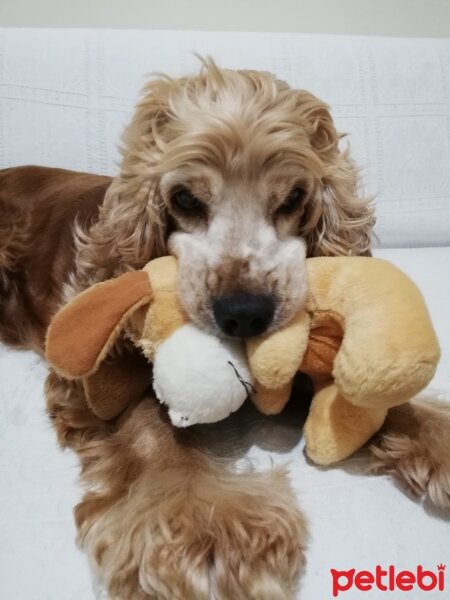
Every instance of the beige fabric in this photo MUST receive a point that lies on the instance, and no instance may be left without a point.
(335, 428)
(389, 350)
(274, 359)
(165, 314)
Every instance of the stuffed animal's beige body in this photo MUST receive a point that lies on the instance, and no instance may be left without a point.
(366, 339)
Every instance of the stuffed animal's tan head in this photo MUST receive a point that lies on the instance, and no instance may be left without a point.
(83, 333)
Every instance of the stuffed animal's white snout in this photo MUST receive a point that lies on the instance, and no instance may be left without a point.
(201, 379)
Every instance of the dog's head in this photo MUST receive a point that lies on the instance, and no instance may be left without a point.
(241, 178)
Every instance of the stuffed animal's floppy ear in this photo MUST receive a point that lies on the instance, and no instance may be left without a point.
(83, 332)
(118, 382)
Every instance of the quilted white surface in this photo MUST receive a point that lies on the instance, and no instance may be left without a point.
(355, 521)
(66, 94)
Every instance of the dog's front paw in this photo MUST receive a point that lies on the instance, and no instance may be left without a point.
(209, 535)
(257, 538)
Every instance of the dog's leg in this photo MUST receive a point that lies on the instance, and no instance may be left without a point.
(16, 328)
(414, 446)
(162, 520)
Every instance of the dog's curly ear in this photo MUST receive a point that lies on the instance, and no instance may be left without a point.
(338, 220)
(83, 332)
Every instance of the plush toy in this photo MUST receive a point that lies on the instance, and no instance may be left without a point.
(201, 378)
(364, 337)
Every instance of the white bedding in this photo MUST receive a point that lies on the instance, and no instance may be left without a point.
(355, 521)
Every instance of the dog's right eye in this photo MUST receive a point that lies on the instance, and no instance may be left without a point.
(185, 201)
(292, 202)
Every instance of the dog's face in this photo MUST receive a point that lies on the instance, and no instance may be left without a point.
(244, 171)
(249, 180)
(242, 266)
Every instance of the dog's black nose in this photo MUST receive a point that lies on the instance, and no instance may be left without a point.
(244, 315)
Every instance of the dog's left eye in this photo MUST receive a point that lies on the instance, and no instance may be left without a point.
(292, 201)
(185, 201)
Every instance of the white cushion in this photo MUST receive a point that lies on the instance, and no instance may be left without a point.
(65, 96)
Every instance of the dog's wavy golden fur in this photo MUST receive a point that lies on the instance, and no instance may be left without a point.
(264, 184)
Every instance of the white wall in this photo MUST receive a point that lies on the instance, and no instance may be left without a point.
(424, 18)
